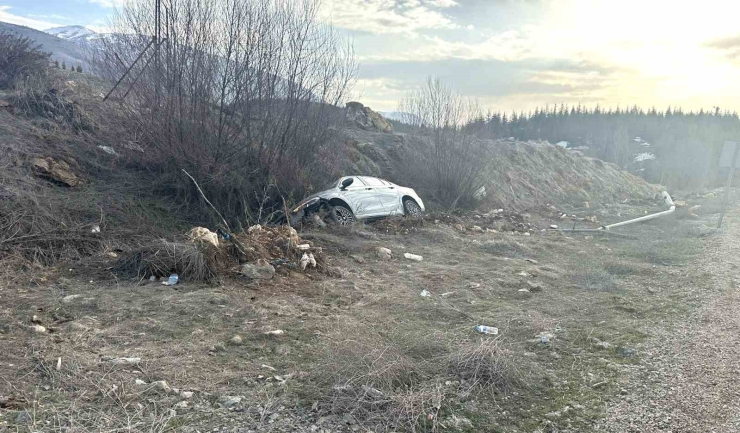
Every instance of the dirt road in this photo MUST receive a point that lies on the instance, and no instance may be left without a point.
(688, 380)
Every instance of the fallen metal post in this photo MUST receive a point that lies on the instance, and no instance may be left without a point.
(668, 201)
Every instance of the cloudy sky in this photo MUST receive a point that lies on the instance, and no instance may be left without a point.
(516, 54)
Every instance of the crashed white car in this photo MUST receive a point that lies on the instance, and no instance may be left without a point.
(354, 198)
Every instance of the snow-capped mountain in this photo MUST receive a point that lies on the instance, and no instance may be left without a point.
(74, 33)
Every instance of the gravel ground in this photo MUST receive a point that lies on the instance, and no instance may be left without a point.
(687, 381)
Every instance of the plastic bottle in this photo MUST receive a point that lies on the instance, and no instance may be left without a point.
(487, 330)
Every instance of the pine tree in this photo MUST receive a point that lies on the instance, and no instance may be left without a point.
(79, 69)
(56, 64)
(64, 65)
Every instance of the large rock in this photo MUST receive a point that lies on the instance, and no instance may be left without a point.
(56, 170)
(257, 271)
(366, 118)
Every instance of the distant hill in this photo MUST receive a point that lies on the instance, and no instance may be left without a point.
(77, 34)
(61, 49)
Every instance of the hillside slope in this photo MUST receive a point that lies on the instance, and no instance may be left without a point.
(61, 50)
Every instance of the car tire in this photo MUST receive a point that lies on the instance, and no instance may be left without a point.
(342, 215)
(411, 208)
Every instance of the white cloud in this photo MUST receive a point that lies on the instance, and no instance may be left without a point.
(109, 3)
(55, 17)
(441, 3)
(389, 16)
(11, 18)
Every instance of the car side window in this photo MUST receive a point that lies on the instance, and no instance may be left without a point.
(371, 181)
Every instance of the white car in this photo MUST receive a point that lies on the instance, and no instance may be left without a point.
(354, 198)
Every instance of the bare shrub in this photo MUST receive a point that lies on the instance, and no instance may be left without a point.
(241, 94)
(450, 166)
(483, 366)
(20, 57)
(163, 258)
(43, 96)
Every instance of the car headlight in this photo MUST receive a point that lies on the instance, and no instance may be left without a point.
(305, 203)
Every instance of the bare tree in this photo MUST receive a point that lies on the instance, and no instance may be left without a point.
(241, 93)
(454, 161)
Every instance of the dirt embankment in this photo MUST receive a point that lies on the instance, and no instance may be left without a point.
(522, 176)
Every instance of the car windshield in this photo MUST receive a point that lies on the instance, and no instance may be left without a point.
(330, 185)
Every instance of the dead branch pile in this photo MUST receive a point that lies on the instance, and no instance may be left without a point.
(204, 256)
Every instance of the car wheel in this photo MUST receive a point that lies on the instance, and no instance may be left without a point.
(342, 216)
(411, 208)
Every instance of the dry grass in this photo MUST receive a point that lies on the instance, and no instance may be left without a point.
(391, 377)
(40, 96)
(162, 258)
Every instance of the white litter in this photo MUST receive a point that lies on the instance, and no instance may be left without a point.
(413, 257)
(425, 294)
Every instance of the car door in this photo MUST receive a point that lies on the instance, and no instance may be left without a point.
(387, 194)
(363, 199)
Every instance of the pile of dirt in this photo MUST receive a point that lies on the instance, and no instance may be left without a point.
(522, 176)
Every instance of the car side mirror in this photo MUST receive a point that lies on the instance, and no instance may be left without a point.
(347, 182)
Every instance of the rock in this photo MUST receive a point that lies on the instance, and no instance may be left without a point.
(366, 118)
(534, 287)
(56, 170)
(383, 253)
(160, 385)
(140, 382)
(413, 257)
(182, 405)
(259, 271)
(230, 400)
(459, 422)
(358, 259)
(236, 340)
(186, 394)
(38, 329)
(627, 352)
(476, 229)
(202, 236)
(553, 226)
(680, 203)
(372, 392)
(275, 332)
(70, 298)
(459, 227)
